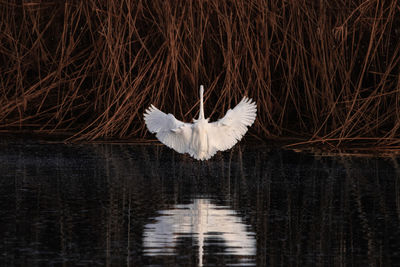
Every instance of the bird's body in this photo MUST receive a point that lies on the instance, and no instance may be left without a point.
(202, 139)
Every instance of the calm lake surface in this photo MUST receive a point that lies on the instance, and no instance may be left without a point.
(145, 205)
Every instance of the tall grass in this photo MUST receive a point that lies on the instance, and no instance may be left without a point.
(319, 70)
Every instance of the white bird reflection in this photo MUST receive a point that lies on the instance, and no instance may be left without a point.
(204, 220)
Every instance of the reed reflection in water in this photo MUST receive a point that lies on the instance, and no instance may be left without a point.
(142, 205)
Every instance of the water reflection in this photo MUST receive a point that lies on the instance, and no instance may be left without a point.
(210, 225)
(144, 205)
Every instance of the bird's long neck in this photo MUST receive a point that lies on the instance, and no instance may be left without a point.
(201, 115)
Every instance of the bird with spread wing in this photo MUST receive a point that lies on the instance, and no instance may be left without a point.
(202, 139)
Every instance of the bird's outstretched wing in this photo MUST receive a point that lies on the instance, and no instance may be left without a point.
(170, 131)
(224, 133)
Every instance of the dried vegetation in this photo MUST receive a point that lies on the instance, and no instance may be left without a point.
(323, 71)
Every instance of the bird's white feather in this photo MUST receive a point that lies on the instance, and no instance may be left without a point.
(227, 131)
(170, 131)
(202, 139)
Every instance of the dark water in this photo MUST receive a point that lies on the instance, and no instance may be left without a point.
(144, 205)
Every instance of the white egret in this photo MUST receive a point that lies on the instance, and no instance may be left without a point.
(202, 139)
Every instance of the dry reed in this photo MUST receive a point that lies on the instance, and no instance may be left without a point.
(319, 70)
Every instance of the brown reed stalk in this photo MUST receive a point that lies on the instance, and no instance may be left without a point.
(319, 70)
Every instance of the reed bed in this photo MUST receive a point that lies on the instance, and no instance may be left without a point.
(322, 71)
